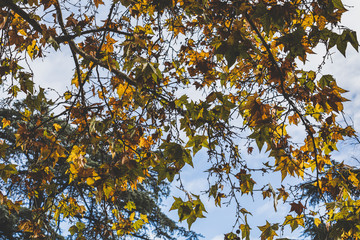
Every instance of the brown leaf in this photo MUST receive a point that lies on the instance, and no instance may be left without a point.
(297, 207)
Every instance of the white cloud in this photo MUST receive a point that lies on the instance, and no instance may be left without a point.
(218, 237)
(265, 208)
(55, 71)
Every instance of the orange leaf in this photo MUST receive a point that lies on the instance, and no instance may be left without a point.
(5, 122)
(98, 2)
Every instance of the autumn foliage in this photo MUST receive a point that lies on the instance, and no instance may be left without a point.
(123, 121)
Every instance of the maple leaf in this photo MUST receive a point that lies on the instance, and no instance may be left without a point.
(5, 122)
(268, 231)
(297, 207)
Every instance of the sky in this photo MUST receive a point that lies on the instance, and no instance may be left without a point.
(56, 71)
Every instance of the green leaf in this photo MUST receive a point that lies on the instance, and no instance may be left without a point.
(184, 211)
(176, 204)
(326, 80)
(260, 141)
(230, 57)
(268, 231)
(211, 97)
(190, 210)
(80, 226)
(231, 236)
(176, 153)
(138, 224)
(245, 231)
(338, 4)
(341, 44)
(294, 222)
(352, 38)
(260, 137)
(53, 42)
(333, 39)
(213, 190)
(191, 220)
(73, 230)
(6, 170)
(197, 142)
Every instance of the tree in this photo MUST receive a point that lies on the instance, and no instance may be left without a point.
(144, 200)
(342, 224)
(130, 59)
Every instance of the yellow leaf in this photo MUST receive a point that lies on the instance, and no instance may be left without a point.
(67, 95)
(77, 156)
(71, 178)
(22, 32)
(5, 122)
(75, 81)
(142, 142)
(32, 49)
(109, 46)
(140, 179)
(317, 221)
(132, 216)
(57, 214)
(130, 206)
(353, 179)
(321, 22)
(90, 181)
(73, 169)
(107, 190)
(123, 90)
(144, 218)
(27, 114)
(56, 126)
(145, 142)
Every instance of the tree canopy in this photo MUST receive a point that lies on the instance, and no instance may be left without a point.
(130, 124)
(145, 200)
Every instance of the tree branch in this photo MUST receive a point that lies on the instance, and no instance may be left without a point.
(285, 94)
(10, 4)
(68, 37)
